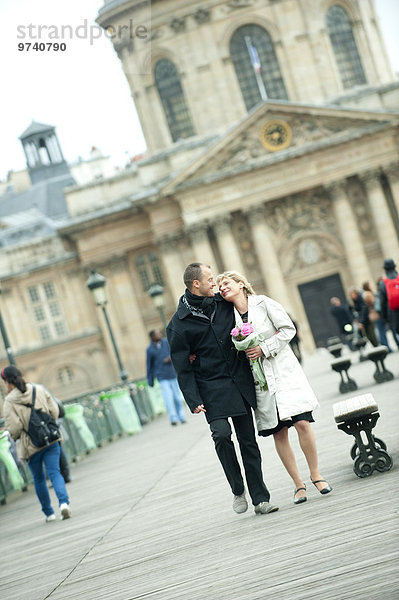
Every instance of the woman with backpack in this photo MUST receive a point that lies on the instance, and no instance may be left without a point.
(30, 413)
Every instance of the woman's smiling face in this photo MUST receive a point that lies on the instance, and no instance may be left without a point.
(230, 289)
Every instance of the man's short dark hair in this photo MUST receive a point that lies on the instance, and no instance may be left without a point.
(192, 272)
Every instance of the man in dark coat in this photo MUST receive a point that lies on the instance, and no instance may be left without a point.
(218, 382)
(344, 318)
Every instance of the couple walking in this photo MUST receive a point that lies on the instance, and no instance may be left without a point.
(217, 380)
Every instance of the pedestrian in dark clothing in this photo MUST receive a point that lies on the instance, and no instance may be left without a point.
(64, 463)
(360, 312)
(372, 300)
(159, 366)
(344, 317)
(218, 382)
(388, 292)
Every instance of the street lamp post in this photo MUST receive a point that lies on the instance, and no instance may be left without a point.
(157, 295)
(4, 335)
(96, 284)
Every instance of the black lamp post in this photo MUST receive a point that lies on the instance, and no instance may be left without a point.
(96, 284)
(4, 335)
(156, 293)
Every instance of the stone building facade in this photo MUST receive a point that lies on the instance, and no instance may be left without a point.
(299, 191)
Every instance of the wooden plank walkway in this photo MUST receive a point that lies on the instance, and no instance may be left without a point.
(152, 519)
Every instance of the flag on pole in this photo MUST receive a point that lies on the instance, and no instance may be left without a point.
(257, 67)
(254, 56)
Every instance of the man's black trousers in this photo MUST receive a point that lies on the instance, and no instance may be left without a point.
(251, 458)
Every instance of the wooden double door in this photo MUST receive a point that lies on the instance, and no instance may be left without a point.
(316, 300)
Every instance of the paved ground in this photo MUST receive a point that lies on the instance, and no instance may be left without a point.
(152, 519)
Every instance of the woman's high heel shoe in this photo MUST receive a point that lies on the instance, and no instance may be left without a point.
(325, 490)
(301, 498)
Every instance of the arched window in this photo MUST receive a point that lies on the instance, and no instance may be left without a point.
(65, 375)
(256, 65)
(170, 91)
(339, 29)
(149, 270)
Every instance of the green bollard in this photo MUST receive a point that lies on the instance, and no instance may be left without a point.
(7, 458)
(155, 395)
(124, 410)
(74, 413)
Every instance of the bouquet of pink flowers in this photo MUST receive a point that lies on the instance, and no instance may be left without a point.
(244, 337)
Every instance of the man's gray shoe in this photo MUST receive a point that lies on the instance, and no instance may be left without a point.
(240, 504)
(265, 507)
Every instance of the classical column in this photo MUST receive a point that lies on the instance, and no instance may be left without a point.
(392, 172)
(227, 244)
(202, 248)
(350, 235)
(382, 217)
(172, 264)
(267, 257)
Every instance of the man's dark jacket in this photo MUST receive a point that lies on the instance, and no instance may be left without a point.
(343, 316)
(218, 378)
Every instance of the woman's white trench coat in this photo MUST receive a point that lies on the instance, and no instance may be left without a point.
(286, 381)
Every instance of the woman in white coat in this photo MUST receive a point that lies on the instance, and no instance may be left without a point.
(289, 399)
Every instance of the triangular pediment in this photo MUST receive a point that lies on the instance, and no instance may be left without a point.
(278, 131)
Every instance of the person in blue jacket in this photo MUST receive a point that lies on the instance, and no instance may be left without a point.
(159, 365)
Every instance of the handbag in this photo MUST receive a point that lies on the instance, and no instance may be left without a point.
(266, 410)
(373, 315)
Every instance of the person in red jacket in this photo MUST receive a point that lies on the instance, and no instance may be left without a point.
(388, 292)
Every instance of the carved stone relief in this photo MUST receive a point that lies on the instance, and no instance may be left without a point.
(309, 249)
(243, 235)
(359, 202)
(202, 15)
(305, 129)
(178, 24)
(122, 42)
(246, 148)
(236, 4)
(171, 242)
(303, 212)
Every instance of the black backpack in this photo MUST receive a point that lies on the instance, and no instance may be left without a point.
(42, 428)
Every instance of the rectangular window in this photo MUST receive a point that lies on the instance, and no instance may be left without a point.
(55, 309)
(40, 315)
(34, 294)
(60, 328)
(49, 289)
(44, 333)
(47, 311)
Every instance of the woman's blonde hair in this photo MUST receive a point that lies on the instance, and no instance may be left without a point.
(238, 278)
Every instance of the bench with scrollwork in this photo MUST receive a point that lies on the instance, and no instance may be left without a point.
(341, 366)
(377, 355)
(358, 416)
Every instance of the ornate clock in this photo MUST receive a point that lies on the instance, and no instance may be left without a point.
(276, 135)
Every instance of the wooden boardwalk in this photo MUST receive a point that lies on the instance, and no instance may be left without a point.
(152, 519)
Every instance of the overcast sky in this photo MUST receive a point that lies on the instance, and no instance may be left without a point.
(83, 91)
